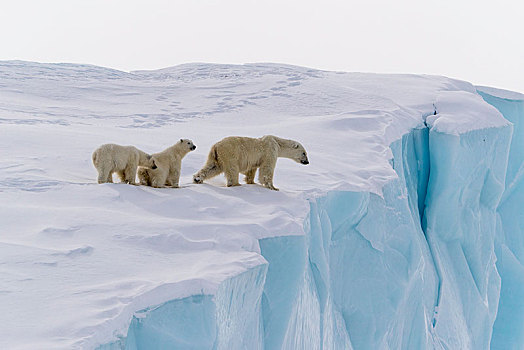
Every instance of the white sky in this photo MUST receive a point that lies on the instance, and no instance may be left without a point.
(478, 41)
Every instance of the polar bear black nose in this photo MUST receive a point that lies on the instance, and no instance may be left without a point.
(154, 166)
(305, 162)
(193, 148)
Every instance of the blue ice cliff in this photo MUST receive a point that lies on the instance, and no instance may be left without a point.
(433, 263)
(508, 330)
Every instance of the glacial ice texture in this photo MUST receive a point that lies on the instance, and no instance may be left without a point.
(508, 331)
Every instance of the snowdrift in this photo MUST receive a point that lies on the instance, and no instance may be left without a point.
(404, 232)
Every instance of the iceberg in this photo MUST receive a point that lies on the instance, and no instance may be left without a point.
(509, 248)
(404, 232)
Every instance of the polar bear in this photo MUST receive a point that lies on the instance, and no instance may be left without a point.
(123, 160)
(168, 164)
(235, 154)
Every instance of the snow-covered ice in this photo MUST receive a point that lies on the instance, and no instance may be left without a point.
(388, 239)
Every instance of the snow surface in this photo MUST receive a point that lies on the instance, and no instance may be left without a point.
(453, 103)
(331, 260)
(500, 93)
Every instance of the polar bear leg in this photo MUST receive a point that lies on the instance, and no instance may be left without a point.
(104, 175)
(108, 176)
(208, 171)
(173, 178)
(250, 176)
(105, 178)
(266, 176)
(231, 173)
(104, 168)
(144, 176)
(130, 174)
(158, 177)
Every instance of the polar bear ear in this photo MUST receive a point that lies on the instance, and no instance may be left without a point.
(295, 145)
(181, 140)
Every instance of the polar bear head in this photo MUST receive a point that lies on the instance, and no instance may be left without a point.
(151, 162)
(147, 160)
(293, 150)
(299, 153)
(186, 143)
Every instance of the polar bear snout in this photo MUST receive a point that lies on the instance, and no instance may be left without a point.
(193, 148)
(303, 158)
(152, 163)
(197, 179)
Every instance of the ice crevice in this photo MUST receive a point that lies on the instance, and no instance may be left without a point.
(368, 261)
(416, 267)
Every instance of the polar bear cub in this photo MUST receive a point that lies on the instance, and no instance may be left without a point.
(235, 154)
(123, 160)
(168, 164)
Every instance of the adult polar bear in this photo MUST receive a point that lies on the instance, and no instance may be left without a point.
(235, 154)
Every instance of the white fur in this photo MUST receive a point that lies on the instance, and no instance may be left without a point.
(123, 160)
(235, 154)
(169, 163)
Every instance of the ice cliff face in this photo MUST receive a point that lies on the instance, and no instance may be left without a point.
(415, 268)
(509, 245)
(404, 232)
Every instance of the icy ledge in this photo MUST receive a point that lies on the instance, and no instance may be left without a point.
(413, 268)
